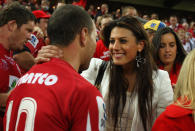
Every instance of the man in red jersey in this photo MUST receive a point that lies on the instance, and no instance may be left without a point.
(16, 25)
(52, 96)
(25, 58)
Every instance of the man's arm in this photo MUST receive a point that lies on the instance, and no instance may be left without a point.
(24, 59)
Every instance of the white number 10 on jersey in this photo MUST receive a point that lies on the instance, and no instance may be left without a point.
(28, 106)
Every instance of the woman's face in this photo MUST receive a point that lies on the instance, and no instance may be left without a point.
(123, 46)
(168, 49)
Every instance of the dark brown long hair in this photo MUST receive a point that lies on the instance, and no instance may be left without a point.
(156, 41)
(144, 82)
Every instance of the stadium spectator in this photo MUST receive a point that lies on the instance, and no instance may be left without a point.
(154, 16)
(152, 27)
(129, 11)
(174, 23)
(169, 53)
(102, 51)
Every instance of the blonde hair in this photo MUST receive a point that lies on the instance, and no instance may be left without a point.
(185, 87)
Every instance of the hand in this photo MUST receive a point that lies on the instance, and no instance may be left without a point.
(39, 32)
(48, 52)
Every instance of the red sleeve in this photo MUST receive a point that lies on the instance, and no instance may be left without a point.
(88, 110)
(163, 124)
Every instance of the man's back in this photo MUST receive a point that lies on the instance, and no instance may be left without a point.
(53, 96)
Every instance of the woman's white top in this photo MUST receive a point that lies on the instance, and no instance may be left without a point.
(162, 97)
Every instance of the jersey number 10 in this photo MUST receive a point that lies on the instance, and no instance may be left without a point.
(28, 106)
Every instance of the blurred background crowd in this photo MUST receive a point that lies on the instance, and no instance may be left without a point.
(182, 20)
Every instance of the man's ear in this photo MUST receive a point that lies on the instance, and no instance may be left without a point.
(140, 46)
(12, 26)
(84, 36)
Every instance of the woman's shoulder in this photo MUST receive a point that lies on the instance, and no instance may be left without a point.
(96, 61)
(160, 74)
(162, 80)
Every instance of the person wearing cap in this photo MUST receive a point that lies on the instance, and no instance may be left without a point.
(152, 26)
(42, 20)
(25, 58)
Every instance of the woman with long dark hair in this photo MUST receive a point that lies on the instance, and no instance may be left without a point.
(134, 90)
(169, 53)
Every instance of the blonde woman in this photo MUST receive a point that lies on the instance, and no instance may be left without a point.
(181, 115)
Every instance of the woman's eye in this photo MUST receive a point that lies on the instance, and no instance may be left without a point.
(112, 41)
(172, 44)
(162, 46)
(123, 41)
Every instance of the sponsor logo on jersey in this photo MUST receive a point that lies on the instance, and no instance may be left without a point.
(34, 41)
(12, 81)
(38, 78)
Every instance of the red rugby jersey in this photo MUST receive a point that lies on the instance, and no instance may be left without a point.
(53, 97)
(9, 71)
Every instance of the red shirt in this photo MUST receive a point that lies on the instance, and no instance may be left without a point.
(35, 44)
(9, 71)
(101, 51)
(9, 74)
(173, 75)
(175, 118)
(54, 97)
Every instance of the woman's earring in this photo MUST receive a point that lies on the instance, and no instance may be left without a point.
(140, 60)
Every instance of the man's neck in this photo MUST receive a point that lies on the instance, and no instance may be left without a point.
(4, 38)
(71, 55)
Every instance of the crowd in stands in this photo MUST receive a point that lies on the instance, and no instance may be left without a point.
(143, 67)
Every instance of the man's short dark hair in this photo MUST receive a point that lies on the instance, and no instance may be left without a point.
(16, 12)
(66, 22)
